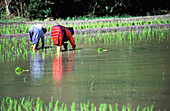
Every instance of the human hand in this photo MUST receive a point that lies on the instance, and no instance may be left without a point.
(74, 47)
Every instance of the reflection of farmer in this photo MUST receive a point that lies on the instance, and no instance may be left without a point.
(36, 67)
(59, 67)
(61, 34)
(35, 33)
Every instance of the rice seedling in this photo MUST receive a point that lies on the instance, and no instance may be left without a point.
(26, 103)
(16, 47)
(101, 50)
(73, 106)
(23, 28)
(19, 70)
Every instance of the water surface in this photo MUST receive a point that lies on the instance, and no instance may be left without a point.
(135, 73)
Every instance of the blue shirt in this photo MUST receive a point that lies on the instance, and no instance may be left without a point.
(35, 33)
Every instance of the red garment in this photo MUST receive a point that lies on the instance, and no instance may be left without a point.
(68, 36)
(57, 35)
(60, 34)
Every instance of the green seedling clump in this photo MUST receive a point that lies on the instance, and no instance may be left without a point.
(19, 70)
(100, 50)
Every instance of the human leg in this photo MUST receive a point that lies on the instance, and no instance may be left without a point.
(34, 47)
(65, 46)
(58, 49)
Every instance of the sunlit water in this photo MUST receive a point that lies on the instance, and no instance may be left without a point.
(134, 73)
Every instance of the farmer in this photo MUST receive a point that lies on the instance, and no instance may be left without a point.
(35, 33)
(61, 34)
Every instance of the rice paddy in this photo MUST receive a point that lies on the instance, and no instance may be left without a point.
(23, 28)
(16, 48)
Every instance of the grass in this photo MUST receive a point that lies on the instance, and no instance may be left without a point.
(36, 104)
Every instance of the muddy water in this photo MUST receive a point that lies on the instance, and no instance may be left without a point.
(134, 73)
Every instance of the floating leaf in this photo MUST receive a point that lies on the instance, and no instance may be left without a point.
(19, 70)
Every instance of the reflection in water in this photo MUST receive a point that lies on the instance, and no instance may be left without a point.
(36, 67)
(62, 64)
(57, 68)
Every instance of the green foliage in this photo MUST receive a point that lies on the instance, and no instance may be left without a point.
(2, 12)
(40, 9)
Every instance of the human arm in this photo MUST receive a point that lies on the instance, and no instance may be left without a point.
(70, 38)
(72, 42)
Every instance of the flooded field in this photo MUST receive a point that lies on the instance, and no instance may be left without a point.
(135, 73)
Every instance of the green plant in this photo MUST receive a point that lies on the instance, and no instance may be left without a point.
(19, 70)
(26, 103)
(23, 28)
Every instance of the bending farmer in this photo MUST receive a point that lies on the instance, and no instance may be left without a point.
(61, 34)
(35, 33)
